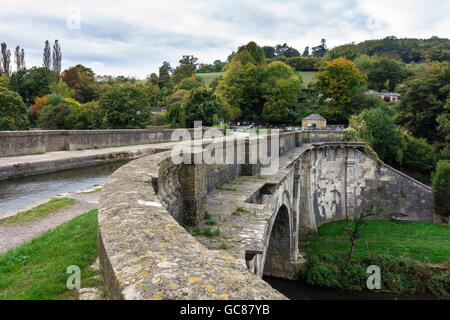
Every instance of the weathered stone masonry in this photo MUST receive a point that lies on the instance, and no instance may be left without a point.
(146, 253)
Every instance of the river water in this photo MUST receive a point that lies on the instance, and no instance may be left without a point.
(296, 290)
(19, 192)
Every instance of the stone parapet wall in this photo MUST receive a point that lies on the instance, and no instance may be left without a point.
(40, 141)
(146, 254)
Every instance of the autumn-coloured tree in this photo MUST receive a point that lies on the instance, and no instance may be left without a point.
(82, 80)
(39, 103)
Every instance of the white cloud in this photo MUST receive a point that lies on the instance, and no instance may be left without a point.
(132, 37)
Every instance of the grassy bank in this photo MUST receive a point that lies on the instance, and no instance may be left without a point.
(41, 210)
(412, 256)
(36, 270)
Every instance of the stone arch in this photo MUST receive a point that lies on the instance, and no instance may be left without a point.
(279, 245)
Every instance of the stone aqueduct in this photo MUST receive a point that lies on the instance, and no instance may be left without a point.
(147, 205)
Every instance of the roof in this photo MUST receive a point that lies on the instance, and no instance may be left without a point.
(315, 116)
(391, 94)
(158, 109)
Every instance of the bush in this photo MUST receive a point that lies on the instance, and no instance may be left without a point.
(55, 117)
(375, 127)
(441, 188)
(125, 107)
(13, 112)
(399, 274)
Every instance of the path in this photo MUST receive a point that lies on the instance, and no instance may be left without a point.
(14, 234)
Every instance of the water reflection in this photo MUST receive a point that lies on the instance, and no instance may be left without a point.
(296, 290)
(19, 192)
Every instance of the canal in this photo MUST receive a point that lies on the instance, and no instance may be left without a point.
(19, 192)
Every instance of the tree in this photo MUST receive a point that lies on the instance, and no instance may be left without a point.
(82, 80)
(55, 117)
(187, 67)
(19, 58)
(285, 50)
(240, 85)
(4, 81)
(280, 89)
(359, 221)
(57, 58)
(347, 51)
(125, 107)
(31, 83)
(423, 98)
(6, 60)
(13, 113)
(306, 52)
(61, 88)
(378, 129)
(87, 116)
(340, 82)
(320, 50)
(441, 188)
(189, 83)
(269, 52)
(164, 75)
(386, 74)
(47, 56)
(202, 105)
(258, 91)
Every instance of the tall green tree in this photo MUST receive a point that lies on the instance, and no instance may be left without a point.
(202, 105)
(31, 83)
(423, 98)
(386, 74)
(125, 107)
(378, 129)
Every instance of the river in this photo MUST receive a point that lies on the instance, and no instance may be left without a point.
(296, 290)
(19, 192)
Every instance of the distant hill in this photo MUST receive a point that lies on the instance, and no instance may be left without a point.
(407, 50)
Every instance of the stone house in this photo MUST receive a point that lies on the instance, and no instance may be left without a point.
(314, 121)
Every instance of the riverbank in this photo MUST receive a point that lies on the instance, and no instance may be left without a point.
(14, 232)
(37, 270)
(413, 257)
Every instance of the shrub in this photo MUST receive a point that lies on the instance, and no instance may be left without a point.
(441, 188)
(13, 113)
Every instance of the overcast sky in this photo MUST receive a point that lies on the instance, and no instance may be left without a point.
(134, 37)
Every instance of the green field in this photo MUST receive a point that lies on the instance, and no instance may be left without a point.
(420, 241)
(36, 270)
(307, 77)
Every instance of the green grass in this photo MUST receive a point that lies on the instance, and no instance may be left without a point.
(239, 211)
(307, 77)
(421, 241)
(227, 188)
(41, 210)
(36, 270)
(209, 77)
(207, 232)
